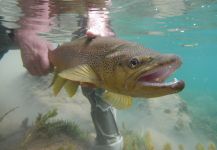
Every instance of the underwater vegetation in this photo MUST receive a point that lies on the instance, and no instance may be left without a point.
(7, 113)
(207, 127)
(4, 115)
(69, 147)
(45, 128)
(65, 135)
(134, 141)
(167, 146)
(212, 146)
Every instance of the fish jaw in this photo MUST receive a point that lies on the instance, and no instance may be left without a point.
(152, 83)
(151, 90)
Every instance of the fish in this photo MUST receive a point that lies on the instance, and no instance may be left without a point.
(123, 69)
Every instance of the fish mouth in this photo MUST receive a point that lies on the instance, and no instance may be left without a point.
(156, 77)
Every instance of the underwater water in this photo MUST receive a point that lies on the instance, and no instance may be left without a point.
(187, 28)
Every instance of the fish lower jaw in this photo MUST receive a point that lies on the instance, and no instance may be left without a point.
(175, 84)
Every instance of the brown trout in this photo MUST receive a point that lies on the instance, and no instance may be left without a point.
(124, 69)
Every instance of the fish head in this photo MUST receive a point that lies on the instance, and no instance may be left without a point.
(141, 72)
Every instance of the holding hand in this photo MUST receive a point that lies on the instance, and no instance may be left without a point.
(34, 52)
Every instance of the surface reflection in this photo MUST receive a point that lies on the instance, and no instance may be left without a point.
(44, 22)
(58, 19)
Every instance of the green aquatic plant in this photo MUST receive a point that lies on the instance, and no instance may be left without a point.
(51, 128)
(134, 146)
(167, 146)
(208, 128)
(68, 147)
(71, 147)
(127, 142)
(61, 148)
(200, 147)
(7, 113)
(44, 127)
(211, 146)
(42, 119)
(3, 116)
(148, 141)
(181, 147)
(134, 141)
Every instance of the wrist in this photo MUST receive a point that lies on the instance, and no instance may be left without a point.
(22, 34)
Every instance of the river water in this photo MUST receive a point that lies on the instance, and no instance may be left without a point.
(187, 28)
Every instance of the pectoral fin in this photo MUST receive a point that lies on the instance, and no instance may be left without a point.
(58, 84)
(71, 87)
(82, 73)
(117, 100)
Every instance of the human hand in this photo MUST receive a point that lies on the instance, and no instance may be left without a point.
(34, 52)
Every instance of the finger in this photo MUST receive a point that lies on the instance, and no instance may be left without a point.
(32, 70)
(34, 66)
(45, 66)
(51, 68)
(30, 63)
(90, 34)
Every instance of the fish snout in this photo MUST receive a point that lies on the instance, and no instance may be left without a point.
(168, 59)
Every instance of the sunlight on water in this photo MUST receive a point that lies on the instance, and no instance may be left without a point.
(187, 28)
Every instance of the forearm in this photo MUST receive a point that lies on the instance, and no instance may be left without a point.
(34, 48)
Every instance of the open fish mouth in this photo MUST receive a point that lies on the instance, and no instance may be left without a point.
(157, 76)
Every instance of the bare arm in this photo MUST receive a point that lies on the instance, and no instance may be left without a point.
(36, 19)
(34, 49)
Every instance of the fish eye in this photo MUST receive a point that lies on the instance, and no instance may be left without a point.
(133, 63)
